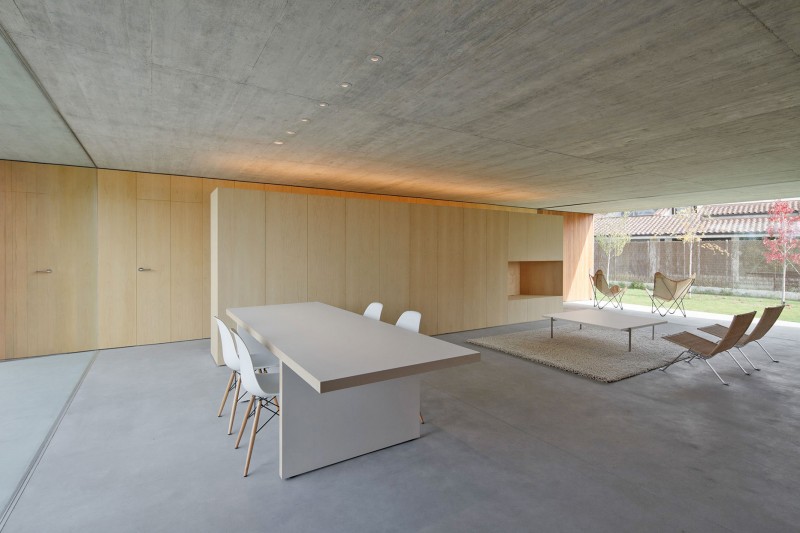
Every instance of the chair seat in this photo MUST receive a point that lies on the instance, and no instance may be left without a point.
(270, 385)
(718, 330)
(692, 342)
(265, 359)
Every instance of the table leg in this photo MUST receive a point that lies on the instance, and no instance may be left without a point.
(580, 326)
(630, 334)
(654, 333)
(551, 327)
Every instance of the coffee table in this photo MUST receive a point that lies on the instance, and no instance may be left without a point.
(606, 319)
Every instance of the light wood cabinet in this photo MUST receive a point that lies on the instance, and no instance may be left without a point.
(545, 238)
(450, 273)
(496, 268)
(186, 269)
(395, 250)
(423, 266)
(517, 236)
(475, 268)
(362, 253)
(209, 185)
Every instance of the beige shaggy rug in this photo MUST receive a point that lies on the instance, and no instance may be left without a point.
(597, 353)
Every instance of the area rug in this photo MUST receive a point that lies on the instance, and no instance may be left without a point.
(597, 353)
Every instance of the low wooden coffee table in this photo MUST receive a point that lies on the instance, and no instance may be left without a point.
(606, 319)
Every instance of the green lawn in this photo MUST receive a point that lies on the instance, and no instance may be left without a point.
(725, 305)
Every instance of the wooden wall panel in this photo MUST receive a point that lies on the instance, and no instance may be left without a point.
(496, 268)
(249, 186)
(208, 186)
(116, 258)
(450, 274)
(4, 270)
(5, 176)
(423, 266)
(17, 273)
(287, 248)
(153, 234)
(326, 250)
(362, 253)
(518, 236)
(475, 268)
(23, 176)
(517, 310)
(186, 271)
(395, 250)
(153, 186)
(238, 225)
(578, 255)
(186, 189)
(543, 278)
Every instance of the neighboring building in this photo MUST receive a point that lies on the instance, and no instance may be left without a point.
(721, 243)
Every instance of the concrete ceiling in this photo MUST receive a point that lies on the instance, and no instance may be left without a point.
(564, 104)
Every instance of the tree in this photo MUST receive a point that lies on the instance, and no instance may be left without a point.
(781, 242)
(615, 239)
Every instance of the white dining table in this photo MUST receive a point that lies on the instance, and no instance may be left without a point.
(349, 385)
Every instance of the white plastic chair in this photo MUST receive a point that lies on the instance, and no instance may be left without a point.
(410, 320)
(374, 310)
(229, 356)
(262, 387)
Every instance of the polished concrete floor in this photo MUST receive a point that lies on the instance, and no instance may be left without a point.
(508, 445)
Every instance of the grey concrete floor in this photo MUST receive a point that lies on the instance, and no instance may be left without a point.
(509, 445)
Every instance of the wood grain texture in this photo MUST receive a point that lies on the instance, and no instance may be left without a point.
(544, 238)
(326, 250)
(362, 253)
(518, 236)
(186, 189)
(153, 186)
(517, 310)
(541, 278)
(17, 275)
(475, 268)
(186, 271)
(208, 186)
(249, 186)
(423, 262)
(543, 305)
(496, 268)
(578, 255)
(286, 248)
(395, 250)
(238, 258)
(5, 176)
(450, 273)
(23, 176)
(153, 285)
(4, 266)
(116, 258)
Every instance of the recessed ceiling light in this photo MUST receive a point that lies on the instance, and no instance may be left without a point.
(277, 142)
(375, 58)
(290, 132)
(323, 104)
(345, 85)
(306, 120)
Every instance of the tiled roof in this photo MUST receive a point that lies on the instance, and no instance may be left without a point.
(719, 219)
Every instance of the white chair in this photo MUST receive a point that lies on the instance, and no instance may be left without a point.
(410, 320)
(262, 361)
(374, 310)
(262, 387)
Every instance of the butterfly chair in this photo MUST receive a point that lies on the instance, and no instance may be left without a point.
(374, 310)
(262, 361)
(698, 347)
(608, 295)
(264, 390)
(410, 320)
(765, 323)
(668, 294)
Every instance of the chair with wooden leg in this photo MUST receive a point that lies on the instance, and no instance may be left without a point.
(410, 320)
(765, 323)
(264, 390)
(231, 359)
(374, 310)
(698, 347)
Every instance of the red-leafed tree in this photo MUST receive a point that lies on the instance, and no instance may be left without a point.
(782, 242)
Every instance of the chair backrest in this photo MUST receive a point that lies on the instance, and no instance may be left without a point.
(409, 320)
(765, 323)
(228, 347)
(738, 326)
(670, 289)
(600, 281)
(247, 371)
(374, 310)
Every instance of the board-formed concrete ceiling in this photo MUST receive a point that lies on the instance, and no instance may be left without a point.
(564, 104)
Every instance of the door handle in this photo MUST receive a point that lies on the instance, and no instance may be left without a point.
(48, 271)
(145, 269)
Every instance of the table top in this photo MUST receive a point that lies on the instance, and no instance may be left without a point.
(606, 319)
(333, 349)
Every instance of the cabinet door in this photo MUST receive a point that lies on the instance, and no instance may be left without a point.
(326, 250)
(62, 247)
(518, 236)
(451, 269)
(475, 261)
(545, 238)
(153, 271)
(186, 271)
(395, 251)
(362, 251)
(496, 268)
(423, 259)
(287, 247)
